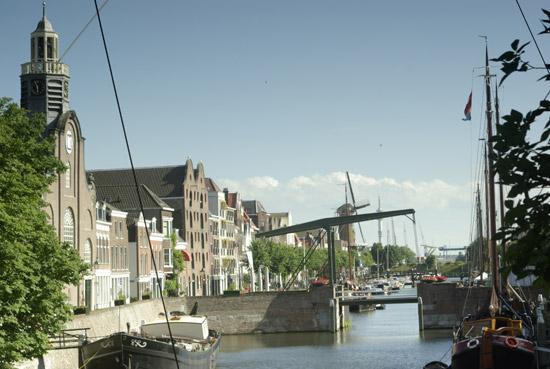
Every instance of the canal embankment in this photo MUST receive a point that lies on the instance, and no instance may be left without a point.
(267, 312)
(443, 305)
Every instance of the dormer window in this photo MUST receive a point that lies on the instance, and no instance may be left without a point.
(153, 224)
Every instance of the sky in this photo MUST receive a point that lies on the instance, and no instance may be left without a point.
(280, 98)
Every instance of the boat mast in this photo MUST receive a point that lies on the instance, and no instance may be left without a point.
(379, 242)
(490, 176)
(480, 235)
(500, 186)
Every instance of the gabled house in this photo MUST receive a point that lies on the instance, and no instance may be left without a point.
(179, 199)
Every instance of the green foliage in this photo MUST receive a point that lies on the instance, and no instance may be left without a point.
(367, 259)
(522, 161)
(279, 258)
(430, 262)
(398, 255)
(456, 269)
(171, 287)
(177, 257)
(34, 266)
(317, 260)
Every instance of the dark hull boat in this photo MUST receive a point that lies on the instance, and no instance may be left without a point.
(499, 348)
(126, 351)
(195, 347)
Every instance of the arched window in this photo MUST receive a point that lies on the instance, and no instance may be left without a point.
(49, 212)
(68, 227)
(87, 257)
(68, 176)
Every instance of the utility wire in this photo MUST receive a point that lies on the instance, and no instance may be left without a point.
(82, 31)
(135, 180)
(535, 41)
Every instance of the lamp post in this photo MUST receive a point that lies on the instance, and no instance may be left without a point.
(261, 280)
(202, 273)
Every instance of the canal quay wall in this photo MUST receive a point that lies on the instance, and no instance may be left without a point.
(263, 312)
(270, 312)
(100, 323)
(443, 305)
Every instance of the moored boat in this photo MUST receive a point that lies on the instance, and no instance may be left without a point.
(195, 347)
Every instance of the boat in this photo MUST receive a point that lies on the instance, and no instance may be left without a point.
(319, 282)
(499, 336)
(195, 347)
(428, 279)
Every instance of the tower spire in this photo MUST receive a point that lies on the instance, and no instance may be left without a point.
(44, 79)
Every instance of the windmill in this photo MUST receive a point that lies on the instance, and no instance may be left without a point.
(347, 232)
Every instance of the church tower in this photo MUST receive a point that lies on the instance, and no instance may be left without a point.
(70, 201)
(45, 79)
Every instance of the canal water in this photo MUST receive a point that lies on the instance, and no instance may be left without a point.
(381, 339)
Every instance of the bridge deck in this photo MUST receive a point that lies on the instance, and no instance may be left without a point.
(378, 299)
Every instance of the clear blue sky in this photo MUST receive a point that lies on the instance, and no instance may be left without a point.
(272, 94)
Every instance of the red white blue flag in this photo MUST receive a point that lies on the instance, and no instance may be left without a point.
(468, 109)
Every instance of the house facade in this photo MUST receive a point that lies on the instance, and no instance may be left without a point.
(176, 196)
(224, 249)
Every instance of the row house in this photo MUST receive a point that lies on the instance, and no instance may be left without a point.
(144, 281)
(244, 234)
(110, 268)
(178, 200)
(156, 221)
(225, 252)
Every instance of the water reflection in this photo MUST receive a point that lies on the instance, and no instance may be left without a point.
(255, 341)
(381, 339)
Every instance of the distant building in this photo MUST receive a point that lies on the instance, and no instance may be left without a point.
(225, 252)
(282, 220)
(257, 214)
(245, 229)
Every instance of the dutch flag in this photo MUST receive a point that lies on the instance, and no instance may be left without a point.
(468, 109)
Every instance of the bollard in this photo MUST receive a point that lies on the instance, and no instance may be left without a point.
(420, 315)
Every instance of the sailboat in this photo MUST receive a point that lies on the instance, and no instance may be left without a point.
(499, 336)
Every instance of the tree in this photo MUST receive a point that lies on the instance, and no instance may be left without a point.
(430, 262)
(260, 248)
(367, 259)
(522, 160)
(34, 266)
(317, 260)
(172, 287)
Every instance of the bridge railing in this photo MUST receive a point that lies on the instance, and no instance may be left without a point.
(69, 338)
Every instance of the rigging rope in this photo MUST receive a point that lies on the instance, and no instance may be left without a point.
(81, 31)
(135, 181)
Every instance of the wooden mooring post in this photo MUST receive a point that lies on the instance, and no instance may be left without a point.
(420, 315)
